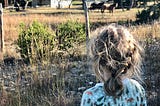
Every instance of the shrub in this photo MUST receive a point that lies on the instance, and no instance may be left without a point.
(148, 15)
(70, 35)
(36, 42)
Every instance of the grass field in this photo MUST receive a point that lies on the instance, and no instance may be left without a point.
(51, 17)
(54, 16)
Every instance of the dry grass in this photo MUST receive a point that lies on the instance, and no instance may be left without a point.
(118, 15)
(52, 17)
(12, 21)
(141, 32)
(55, 16)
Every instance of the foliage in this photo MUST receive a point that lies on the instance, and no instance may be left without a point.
(70, 35)
(36, 42)
(148, 15)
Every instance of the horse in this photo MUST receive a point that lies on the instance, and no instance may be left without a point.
(94, 6)
(110, 8)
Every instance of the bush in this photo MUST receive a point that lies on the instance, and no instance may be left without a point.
(69, 36)
(148, 15)
(36, 42)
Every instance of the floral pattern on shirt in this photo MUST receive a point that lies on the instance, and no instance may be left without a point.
(133, 95)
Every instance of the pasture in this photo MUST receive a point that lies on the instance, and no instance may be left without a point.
(62, 81)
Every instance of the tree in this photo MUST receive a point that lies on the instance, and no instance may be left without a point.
(34, 3)
(27, 1)
(129, 4)
(83, 5)
(5, 3)
(149, 14)
(126, 4)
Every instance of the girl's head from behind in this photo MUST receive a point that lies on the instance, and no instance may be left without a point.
(115, 54)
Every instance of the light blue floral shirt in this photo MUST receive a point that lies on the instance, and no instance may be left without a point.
(133, 95)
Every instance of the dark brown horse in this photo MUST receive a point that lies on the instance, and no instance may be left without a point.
(95, 6)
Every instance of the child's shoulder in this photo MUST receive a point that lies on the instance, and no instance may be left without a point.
(95, 90)
(136, 83)
(133, 85)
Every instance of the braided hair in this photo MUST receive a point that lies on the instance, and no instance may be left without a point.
(113, 49)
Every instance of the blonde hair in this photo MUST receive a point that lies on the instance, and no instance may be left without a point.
(115, 50)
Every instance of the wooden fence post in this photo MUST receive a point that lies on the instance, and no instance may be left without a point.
(87, 25)
(1, 32)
